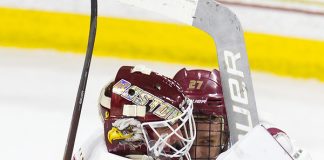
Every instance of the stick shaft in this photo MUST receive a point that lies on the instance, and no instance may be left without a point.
(82, 86)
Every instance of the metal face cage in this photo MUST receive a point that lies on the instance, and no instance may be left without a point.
(211, 138)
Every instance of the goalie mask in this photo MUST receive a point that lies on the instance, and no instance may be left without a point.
(204, 88)
(145, 113)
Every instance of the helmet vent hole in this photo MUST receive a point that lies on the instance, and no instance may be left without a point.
(157, 86)
(131, 92)
(214, 102)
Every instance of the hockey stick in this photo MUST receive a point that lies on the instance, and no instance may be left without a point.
(224, 27)
(83, 83)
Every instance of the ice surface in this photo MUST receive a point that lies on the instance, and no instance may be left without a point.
(38, 89)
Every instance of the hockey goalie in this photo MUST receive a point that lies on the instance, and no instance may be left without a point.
(148, 116)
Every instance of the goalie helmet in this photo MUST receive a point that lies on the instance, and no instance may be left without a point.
(204, 88)
(145, 113)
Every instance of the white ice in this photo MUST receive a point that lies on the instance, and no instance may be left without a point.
(38, 89)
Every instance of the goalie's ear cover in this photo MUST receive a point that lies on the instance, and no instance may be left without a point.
(105, 95)
(104, 101)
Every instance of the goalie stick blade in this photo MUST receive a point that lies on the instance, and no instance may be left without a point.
(224, 27)
(180, 10)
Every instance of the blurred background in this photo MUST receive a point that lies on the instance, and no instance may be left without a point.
(43, 42)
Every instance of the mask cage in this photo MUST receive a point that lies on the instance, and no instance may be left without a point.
(210, 126)
(185, 132)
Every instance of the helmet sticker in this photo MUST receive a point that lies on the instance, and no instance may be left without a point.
(141, 97)
(121, 86)
(195, 84)
(200, 101)
(127, 131)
